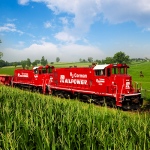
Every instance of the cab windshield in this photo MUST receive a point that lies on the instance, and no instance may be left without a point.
(120, 70)
(42, 70)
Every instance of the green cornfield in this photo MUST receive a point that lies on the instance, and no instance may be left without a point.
(33, 121)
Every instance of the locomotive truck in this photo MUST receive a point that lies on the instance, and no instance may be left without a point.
(107, 84)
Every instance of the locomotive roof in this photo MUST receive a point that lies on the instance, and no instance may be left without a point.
(100, 66)
(40, 67)
(97, 67)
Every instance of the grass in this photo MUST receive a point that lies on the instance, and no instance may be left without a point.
(33, 121)
(8, 70)
(60, 64)
(134, 71)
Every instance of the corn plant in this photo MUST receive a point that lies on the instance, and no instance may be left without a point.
(34, 121)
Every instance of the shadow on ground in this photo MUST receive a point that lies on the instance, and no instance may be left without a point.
(146, 106)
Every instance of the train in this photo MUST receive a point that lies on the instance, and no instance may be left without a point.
(108, 84)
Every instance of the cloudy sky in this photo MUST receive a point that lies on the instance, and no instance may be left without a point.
(74, 29)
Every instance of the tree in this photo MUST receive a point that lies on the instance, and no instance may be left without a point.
(2, 63)
(34, 63)
(121, 57)
(57, 59)
(15, 64)
(109, 60)
(43, 61)
(84, 60)
(98, 61)
(28, 62)
(90, 59)
(80, 60)
(23, 63)
(37, 61)
(1, 55)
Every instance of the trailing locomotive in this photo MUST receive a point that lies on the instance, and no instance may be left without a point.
(36, 79)
(101, 84)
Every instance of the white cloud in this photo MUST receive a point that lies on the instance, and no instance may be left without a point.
(115, 11)
(85, 12)
(148, 29)
(64, 20)
(9, 28)
(20, 44)
(47, 24)
(11, 20)
(70, 52)
(23, 2)
(65, 37)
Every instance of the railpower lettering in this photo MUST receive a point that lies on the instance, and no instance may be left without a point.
(74, 81)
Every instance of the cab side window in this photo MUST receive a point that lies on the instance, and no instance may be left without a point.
(43, 70)
(108, 72)
(35, 71)
(99, 72)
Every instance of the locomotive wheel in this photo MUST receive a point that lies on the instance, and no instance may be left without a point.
(87, 98)
(34, 90)
(59, 94)
(126, 106)
(67, 95)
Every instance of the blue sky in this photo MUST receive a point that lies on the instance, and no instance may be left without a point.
(74, 29)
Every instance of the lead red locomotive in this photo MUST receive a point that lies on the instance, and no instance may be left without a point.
(108, 83)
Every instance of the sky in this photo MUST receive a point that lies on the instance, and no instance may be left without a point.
(74, 29)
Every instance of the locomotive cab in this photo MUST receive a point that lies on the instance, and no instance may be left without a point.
(110, 69)
(43, 69)
(41, 77)
(112, 79)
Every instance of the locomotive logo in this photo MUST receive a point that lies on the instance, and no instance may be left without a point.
(23, 75)
(100, 81)
(51, 79)
(74, 81)
(127, 84)
(75, 75)
(62, 77)
(35, 76)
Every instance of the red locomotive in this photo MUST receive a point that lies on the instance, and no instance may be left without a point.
(108, 83)
(36, 79)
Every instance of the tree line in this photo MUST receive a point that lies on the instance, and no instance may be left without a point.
(26, 63)
(119, 57)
